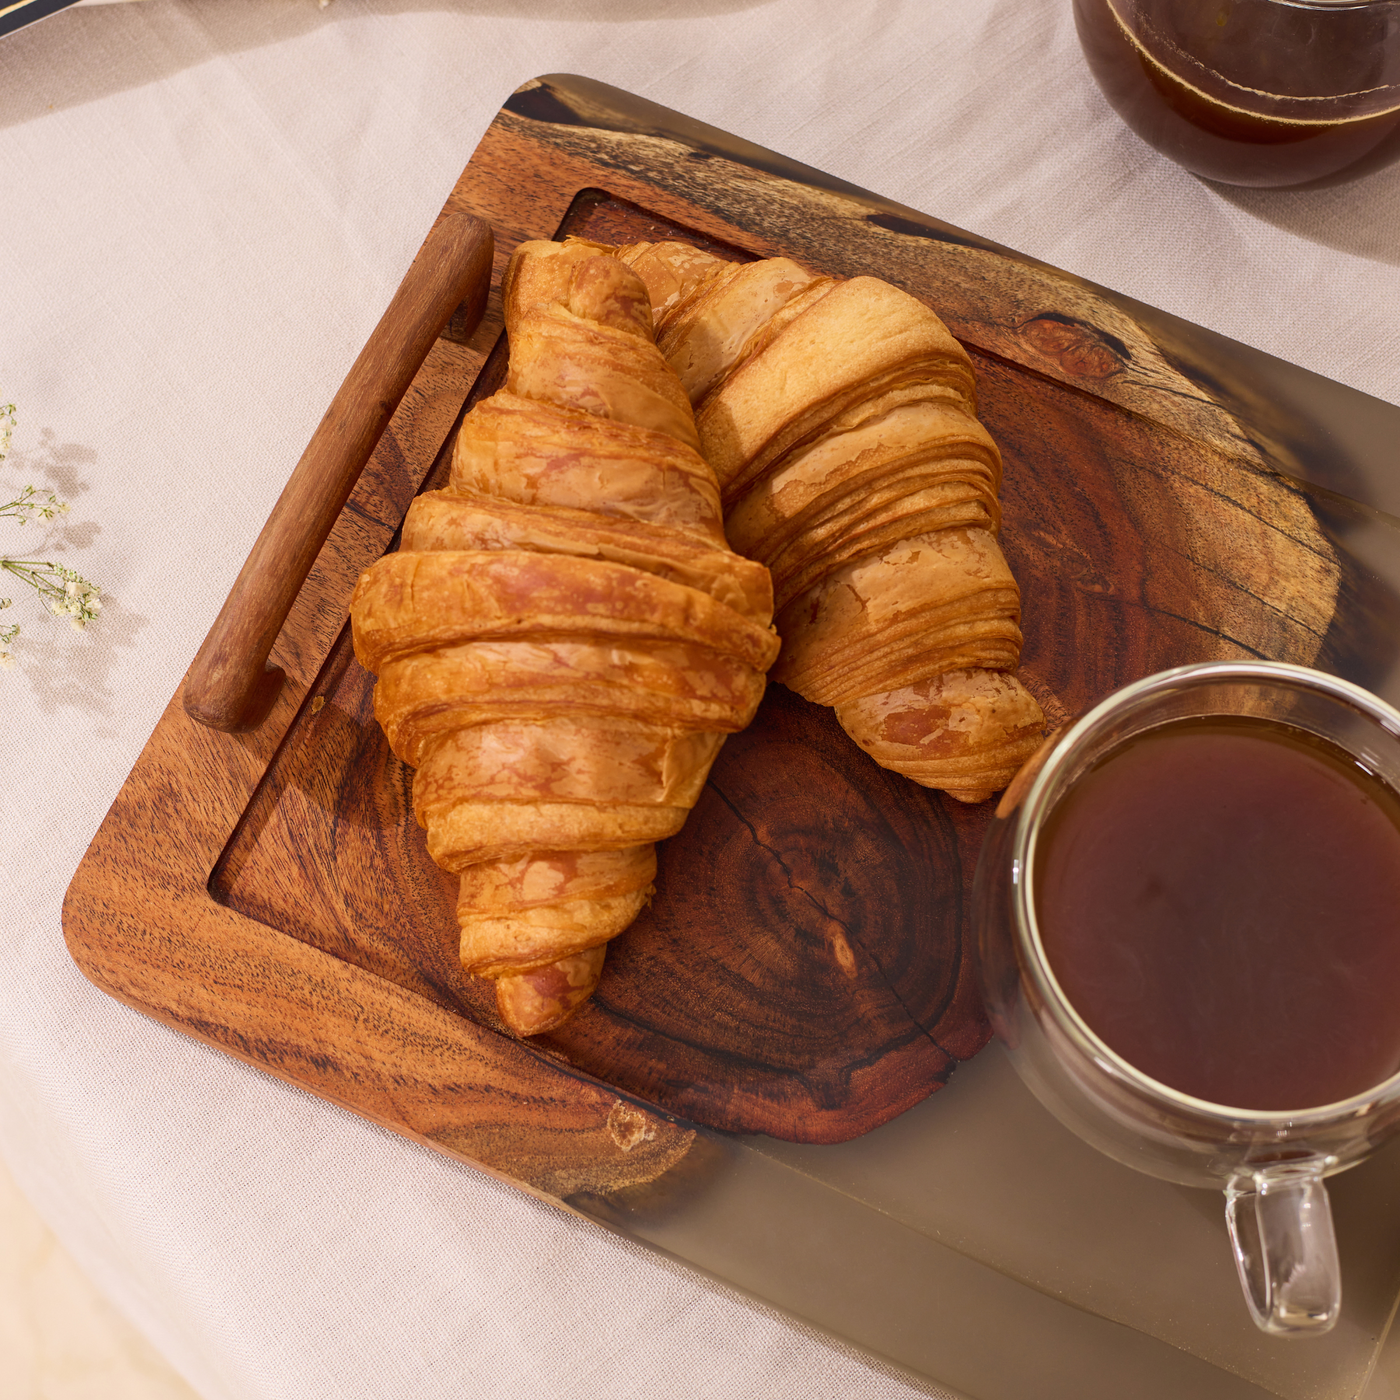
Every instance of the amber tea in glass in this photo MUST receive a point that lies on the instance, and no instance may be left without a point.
(1219, 898)
(1250, 92)
(1188, 922)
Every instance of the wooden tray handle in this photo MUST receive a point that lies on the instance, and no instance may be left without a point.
(231, 685)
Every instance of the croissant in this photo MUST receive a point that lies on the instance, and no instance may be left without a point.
(840, 419)
(564, 638)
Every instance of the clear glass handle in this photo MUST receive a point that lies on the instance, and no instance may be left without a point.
(1285, 1248)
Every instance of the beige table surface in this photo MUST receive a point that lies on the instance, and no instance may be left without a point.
(204, 207)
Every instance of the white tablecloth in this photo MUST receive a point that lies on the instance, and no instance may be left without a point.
(206, 205)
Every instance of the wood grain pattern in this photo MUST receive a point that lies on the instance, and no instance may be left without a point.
(803, 970)
(230, 685)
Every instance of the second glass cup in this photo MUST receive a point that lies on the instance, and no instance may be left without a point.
(1250, 92)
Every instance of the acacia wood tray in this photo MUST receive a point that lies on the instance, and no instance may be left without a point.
(804, 972)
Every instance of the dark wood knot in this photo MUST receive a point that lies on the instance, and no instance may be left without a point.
(1078, 349)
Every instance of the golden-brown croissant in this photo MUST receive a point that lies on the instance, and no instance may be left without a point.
(564, 637)
(840, 418)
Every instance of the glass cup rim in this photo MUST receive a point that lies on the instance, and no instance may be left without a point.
(1035, 807)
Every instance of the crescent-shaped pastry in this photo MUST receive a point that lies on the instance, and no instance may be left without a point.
(839, 416)
(564, 638)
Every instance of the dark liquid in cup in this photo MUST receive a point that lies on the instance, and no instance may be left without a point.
(1250, 92)
(1219, 899)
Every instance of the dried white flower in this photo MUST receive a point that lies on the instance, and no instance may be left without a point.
(64, 591)
(33, 505)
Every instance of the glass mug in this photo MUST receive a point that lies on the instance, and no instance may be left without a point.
(1269, 1163)
(1249, 92)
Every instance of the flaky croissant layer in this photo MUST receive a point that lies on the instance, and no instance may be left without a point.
(840, 418)
(564, 639)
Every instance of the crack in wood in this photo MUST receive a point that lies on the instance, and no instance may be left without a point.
(848, 932)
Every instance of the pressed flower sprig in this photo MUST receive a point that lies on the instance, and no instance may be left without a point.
(31, 504)
(63, 591)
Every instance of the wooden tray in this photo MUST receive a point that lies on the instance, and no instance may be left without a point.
(805, 969)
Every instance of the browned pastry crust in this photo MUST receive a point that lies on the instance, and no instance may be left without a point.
(840, 419)
(564, 638)
(537, 1001)
(953, 729)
